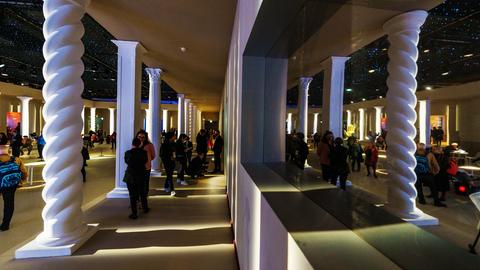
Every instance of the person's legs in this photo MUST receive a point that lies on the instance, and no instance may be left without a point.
(333, 178)
(433, 191)
(8, 195)
(40, 151)
(325, 172)
(343, 181)
(133, 193)
(147, 182)
(143, 196)
(84, 173)
(419, 187)
(217, 162)
(374, 168)
(368, 170)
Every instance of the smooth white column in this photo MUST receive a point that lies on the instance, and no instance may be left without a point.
(403, 34)
(361, 124)
(93, 113)
(349, 118)
(315, 123)
(83, 120)
(129, 119)
(181, 114)
(63, 227)
(41, 118)
(303, 87)
(11, 108)
(34, 126)
(378, 119)
(333, 88)
(424, 121)
(186, 116)
(112, 121)
(190, 119)
(199, 120)
(25, 111)
(154, 119)
(147, 122)
(289, 123)
(165, 120)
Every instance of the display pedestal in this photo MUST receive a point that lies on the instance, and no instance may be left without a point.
(118, 193)
(34, 250)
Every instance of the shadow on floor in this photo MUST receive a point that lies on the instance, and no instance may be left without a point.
(111, 239)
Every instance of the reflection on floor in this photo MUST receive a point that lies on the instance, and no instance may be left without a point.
(189, 231)
(457, 222)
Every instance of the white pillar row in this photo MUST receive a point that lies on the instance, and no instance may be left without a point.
(181, 114)
(333, 88)
(165, 120)
(424, 121)
(403, 34)
(315, 123)
(349, 118)
(289, 123)
(25, 111)
(361, 124)
(378, 119)
(129, 120)
(63, 227)
(303, 87)
(111, 127)
(93, 112)
(190, 119)
(186, 115)
(155, 112)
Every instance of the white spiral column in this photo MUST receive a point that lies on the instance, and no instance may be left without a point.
(403, 35)
(303, 105)
(63, 227)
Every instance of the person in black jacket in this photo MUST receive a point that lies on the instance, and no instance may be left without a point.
(181, 156)
(135, 177)
(167, 155)
(301, 150)
(85, 157)
(339, 164)
(202, 144)
(217, 150)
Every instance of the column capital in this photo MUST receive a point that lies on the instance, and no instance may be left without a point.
(378, 107)
(411, 20)
(180, 95)
(332, 60)
(304, 82)
(154, 74)
(125, 46)
(361, 109)
(24, 98)
(111, 109)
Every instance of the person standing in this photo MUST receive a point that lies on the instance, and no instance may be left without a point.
(355, 152)
(427, 167)
(301, 151)
(40, 145)
(146, 145)
(217, 151)
(12, 172)
(326, 146)
(202, 144)
(189, 150)
(135, 177)
(181, 156)
(85, 157)
(16, 142)
(167, 151)
(339, 164)
(371, 158)
(113, 139)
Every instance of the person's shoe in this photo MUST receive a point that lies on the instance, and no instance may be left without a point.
(133, 216)
(146, 210)
(184, 183)
(368, 174)
(173, 193)
(439, 204)
(4, 227)
(421, 201)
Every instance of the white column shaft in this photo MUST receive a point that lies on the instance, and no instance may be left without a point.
(181, 114)
(93, 112)
(333, 88)
(315, 123)
(303, 105)
(289, 123)
(378, 119)
(111, 127)
(403, 34)
(349, 118)
(424, 121)
(361, 124)
(25, 111)
(186, 115)
(165, 120)
(128, 106)
(154, 102)
(83, 120)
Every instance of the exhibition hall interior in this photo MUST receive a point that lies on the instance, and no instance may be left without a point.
(239, 134)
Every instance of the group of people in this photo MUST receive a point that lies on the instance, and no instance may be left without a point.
(437, 135)
(20, 143)
(174, 153)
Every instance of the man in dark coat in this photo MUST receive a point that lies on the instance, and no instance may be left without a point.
(202, 144)
(217, 150)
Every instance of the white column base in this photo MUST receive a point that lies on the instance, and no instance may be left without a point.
(118, 193)
(423, 220)
(348, 183)
(34, 250)
(155, 173)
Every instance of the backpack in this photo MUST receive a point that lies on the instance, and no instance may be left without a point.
(10, 174)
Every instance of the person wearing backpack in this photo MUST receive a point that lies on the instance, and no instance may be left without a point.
(426, 169)
(12, 172)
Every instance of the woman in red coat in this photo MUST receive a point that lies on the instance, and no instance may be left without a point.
(371, 158)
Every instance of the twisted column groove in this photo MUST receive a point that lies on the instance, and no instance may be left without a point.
(403, 34)
(63, 68)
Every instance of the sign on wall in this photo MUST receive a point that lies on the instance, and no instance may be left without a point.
(13, 118)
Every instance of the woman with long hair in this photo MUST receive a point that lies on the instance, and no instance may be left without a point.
(146, 145)
(326, 147)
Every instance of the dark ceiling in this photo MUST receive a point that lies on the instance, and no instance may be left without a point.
(21, 59)
(449, 54)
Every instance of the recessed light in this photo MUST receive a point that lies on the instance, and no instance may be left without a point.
(428, 88)
(371, 71)
(2, 65)
(294, 58)
(351, 102)
(183, 49)
(348, 90)
(445, 73)
(22, 84)
(384, 49)
(377, 89)
(363, 99)
(468, 55)
(426, 51)
(4, 74)
(380, 97)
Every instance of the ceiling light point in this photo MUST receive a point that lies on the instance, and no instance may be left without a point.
(468, 55)
(183, 49)
(363, 99)
(4, 74)
(428, 88)
(351, 102)
(426, 51)
(371, 71)
(380, 97)
(348, 90)
(2, 65)
(445, 73)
